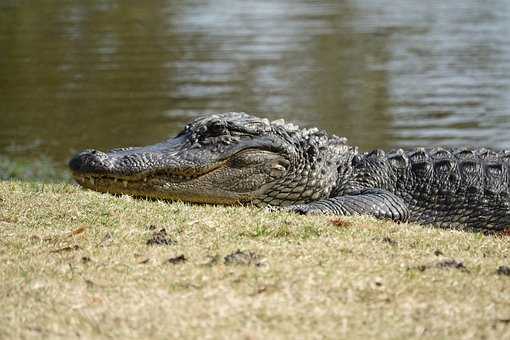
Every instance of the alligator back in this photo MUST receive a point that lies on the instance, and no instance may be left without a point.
(445, 187)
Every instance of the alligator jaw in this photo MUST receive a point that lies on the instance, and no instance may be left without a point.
(110, 183)
(146, 184)
(176, 178)
(95, 180)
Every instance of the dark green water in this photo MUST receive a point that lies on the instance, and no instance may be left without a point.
(102, 74)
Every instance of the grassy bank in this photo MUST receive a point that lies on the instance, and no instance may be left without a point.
(76, 263)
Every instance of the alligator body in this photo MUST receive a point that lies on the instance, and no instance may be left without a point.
(236, 158)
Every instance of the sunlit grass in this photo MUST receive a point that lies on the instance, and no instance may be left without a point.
(76, 263)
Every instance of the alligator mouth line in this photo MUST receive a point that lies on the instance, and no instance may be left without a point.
(141, 178)
(125, 181)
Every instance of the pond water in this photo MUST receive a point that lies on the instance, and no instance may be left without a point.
(384, 73)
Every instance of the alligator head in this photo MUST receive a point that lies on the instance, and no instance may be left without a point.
(222, 159)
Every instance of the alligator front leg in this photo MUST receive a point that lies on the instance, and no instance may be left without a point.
(374, 202)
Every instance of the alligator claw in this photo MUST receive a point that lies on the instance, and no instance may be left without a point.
(272, 208)
(301, 209)
(298, 209)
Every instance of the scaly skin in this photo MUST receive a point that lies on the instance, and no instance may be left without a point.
(235, 158)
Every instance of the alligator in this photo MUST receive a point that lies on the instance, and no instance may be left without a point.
(237, 158)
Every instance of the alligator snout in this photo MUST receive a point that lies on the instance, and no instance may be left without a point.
(89, 161)
(119, 162)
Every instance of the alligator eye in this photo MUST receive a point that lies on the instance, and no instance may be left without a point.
(216, 129)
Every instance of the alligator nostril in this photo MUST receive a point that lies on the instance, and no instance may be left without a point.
(93, 153)
(88, 161)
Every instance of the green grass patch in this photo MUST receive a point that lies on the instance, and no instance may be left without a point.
(76, 263)
(42, 170)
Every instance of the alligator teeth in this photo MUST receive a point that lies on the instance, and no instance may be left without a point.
(145, 179)
(115, 180)
(124, 183)
(91, 179)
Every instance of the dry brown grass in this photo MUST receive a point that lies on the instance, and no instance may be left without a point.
(76, 263)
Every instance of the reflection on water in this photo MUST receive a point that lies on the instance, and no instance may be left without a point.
(382, 72)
